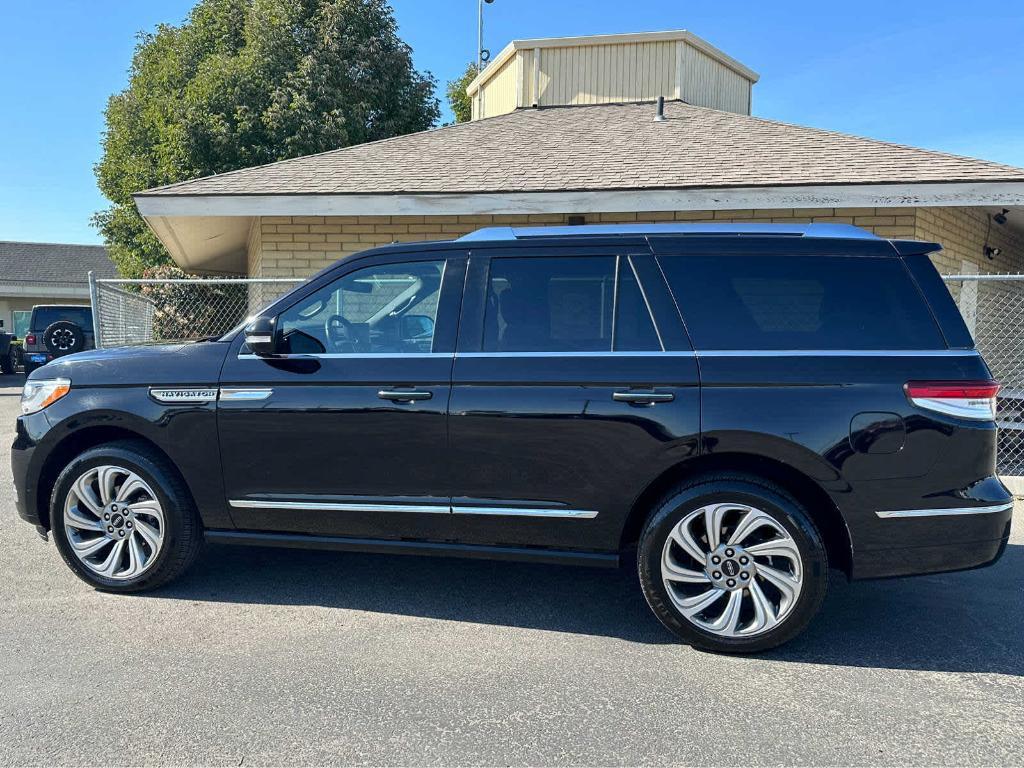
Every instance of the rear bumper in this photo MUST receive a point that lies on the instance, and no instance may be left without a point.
(946, 539)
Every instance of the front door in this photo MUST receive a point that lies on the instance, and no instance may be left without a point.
(574, 387)
(346, 433)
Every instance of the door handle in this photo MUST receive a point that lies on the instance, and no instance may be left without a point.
(403, 396)
(643, 398)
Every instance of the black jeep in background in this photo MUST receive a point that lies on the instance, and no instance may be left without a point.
(10, 351)
(55, 330)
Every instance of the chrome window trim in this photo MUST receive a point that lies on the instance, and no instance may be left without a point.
(837, 353)
(638, 353)
(576, 514)
(347, 355)
(324, 506)
(649, 353)
(941, 512)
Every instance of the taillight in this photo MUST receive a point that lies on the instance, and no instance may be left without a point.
(30, 338)
(964, 399)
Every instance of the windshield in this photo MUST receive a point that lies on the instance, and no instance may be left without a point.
(42, 317)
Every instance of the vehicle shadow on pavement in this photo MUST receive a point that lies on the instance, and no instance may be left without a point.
(958, 622)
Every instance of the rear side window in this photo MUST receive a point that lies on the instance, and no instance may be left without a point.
(566, 304)
(800, 302)
(44, 316)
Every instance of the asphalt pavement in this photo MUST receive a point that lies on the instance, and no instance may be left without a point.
(263, 656)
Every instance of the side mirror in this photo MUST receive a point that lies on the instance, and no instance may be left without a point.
(260, 336)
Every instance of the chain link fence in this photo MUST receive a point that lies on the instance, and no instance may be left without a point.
(993, 308)
(130, 312)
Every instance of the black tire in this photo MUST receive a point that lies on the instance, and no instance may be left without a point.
(9, 361)
(183, 535)
(742, 489)
(27, 367)
(63, 338)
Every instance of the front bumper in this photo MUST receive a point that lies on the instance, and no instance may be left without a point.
(24, 486)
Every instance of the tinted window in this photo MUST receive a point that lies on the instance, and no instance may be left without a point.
(388, 308)
(800, 302)
(565, 305)
(634, 329)
(44, 316)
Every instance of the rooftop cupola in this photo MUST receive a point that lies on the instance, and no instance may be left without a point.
(608, 69)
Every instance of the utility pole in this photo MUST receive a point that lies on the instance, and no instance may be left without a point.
(482, 54)
(480, 35)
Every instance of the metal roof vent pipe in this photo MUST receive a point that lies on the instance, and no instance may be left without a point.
(659, 116)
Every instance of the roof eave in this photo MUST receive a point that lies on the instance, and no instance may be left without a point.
(885, 195)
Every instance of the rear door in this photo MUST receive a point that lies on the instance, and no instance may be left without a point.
(804, 347)
(573, 384)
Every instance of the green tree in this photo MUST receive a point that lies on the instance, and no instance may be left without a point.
(248, 82)
(460, 103)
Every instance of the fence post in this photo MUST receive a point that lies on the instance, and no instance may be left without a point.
(969, 297)
(94, 302)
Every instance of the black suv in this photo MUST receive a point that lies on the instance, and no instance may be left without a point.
(55, 330)
(733, 409)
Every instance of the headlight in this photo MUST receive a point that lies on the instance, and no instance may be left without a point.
(40, 393)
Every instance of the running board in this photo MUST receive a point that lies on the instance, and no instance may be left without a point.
(441, 549)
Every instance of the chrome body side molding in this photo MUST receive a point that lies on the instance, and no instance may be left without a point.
(585, 514)
(458, 509)
(330, 506)
(245, 393)
(941, 512)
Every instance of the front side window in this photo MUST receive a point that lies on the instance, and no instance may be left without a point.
(734, 302)
(565, 304)
(389, 308)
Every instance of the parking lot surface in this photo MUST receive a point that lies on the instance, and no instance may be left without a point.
(265, 656)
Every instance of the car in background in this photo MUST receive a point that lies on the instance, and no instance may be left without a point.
(10, 351)
(56, 330)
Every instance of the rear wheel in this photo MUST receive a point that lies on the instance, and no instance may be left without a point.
(9, 361)
(123, 519)
(732, 563)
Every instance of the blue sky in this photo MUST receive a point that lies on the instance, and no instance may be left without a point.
(940, 74)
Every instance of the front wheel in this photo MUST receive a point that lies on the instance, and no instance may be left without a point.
(9, 361)
(123, 519)
(732, 563)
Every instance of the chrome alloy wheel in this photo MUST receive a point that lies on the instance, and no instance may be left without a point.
(732, 570)
(113, 522)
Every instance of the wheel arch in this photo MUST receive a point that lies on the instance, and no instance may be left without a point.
(819, 505)
(74, 444)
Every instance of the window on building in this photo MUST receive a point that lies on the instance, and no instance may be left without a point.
(20, 320)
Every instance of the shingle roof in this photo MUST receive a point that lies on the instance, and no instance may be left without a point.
(601, 147)
(52, 263)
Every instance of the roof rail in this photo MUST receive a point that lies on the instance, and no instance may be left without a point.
(845, 231)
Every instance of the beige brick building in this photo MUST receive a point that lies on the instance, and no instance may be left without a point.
(565, 133)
